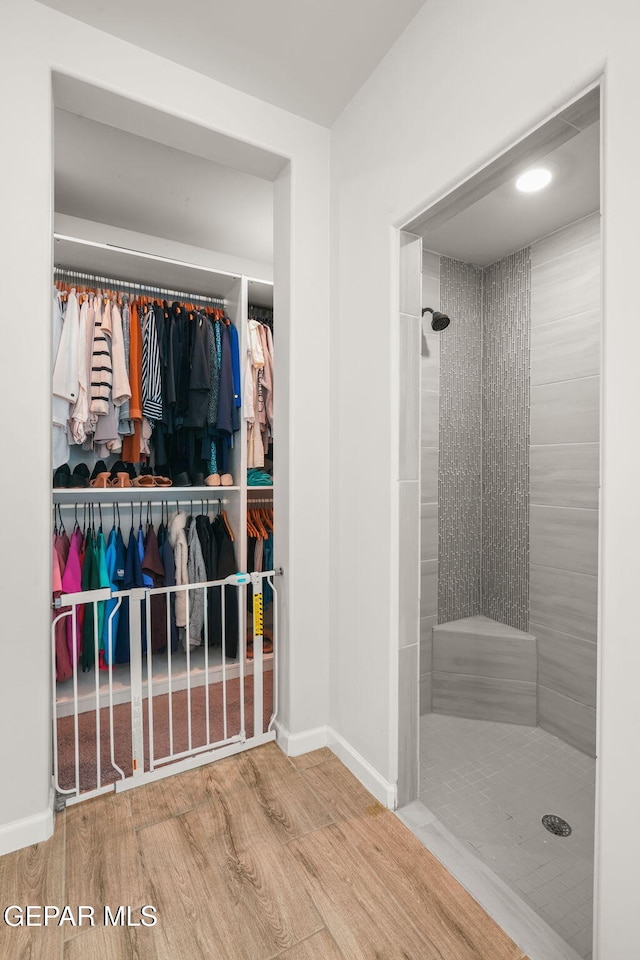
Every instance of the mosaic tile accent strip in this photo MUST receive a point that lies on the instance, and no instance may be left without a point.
(505, 430)
(460, 466)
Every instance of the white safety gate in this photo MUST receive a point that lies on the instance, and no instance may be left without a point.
(124, 724)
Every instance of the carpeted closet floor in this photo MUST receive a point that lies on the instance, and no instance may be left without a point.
(250, 858)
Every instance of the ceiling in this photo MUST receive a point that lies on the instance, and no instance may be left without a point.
(113, 176)
(305, 56)
(506, 220)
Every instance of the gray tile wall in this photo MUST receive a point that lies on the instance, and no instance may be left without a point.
(505, 439)
(460, 467)
(565, 388)
(484, 441)
(408, 507)
(430, 388)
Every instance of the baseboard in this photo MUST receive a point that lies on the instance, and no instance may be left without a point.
(295, 744)
(385, 792)
(22, 833)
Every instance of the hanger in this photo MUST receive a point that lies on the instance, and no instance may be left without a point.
(226, 523)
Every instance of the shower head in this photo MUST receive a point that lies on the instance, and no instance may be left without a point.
(439, 321)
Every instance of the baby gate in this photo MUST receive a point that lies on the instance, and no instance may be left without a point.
(162, 712)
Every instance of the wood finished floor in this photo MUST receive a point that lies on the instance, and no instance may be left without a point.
(250, 858)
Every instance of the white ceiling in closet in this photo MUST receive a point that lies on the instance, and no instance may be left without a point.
(305, 56)
(112, 176)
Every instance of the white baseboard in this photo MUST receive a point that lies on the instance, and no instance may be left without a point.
(22, 833)
(295, 744)
(385, 792)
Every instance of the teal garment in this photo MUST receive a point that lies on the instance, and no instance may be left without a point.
(258, 478)
(103, 581)
(111, 561)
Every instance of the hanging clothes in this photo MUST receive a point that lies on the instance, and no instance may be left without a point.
(64, 669)
(226, 567)
(153, 568)
(72, 583)
(59, 405)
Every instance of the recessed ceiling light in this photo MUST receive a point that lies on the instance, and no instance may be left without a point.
(535, 179)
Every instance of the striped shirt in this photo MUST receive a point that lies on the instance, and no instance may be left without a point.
(151, 368)
(101, 366)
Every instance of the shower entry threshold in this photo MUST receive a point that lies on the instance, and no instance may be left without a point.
(530, 932)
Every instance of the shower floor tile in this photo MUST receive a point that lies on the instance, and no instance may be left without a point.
(490, 783)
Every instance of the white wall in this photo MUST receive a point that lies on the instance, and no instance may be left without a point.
(38, 40)
(462, 83)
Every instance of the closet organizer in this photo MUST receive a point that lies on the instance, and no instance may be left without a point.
(162, 488)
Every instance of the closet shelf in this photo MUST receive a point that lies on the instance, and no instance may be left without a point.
(85, 494)
(268, 486)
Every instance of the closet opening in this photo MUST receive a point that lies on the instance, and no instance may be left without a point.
(165, 369)
(499, 637)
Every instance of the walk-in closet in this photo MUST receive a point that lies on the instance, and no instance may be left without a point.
(164, 537)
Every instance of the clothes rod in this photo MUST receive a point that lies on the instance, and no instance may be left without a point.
(146, 256)
(75, 276)
(141, 502)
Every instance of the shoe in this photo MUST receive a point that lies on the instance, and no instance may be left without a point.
(121, 479)
(62, 477)
(144, 480)
(100, 467)
(197, 479)
(118, 467)
(131, 470)
(102, 480)
(181, 480)
(226, 480)
(146, 470)
(163, 482)
(80, 476)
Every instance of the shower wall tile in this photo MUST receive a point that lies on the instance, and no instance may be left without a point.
(565, 474)
(410, 360)
(410, 274)
(409, 696)
(430, 359)
(431, 272)
(566, 664)
(428, 531)
(483, 698)
(425, 694)
(505, 436)
(567, 348)
(460, 464)
(567, 285)
(429, 424)
(428, 588)
(565, 538)
(576, 235)
(566, 412)
(568, 719)
(564, 600)
(426, 643)
(429, 474)
(565, 361)
(409, 553)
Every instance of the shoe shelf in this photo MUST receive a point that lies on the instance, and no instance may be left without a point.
(114, 494)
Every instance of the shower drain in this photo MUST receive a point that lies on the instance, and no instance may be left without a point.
(556, 825)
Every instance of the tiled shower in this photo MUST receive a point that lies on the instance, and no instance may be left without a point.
(509, 555)
(509, 482)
